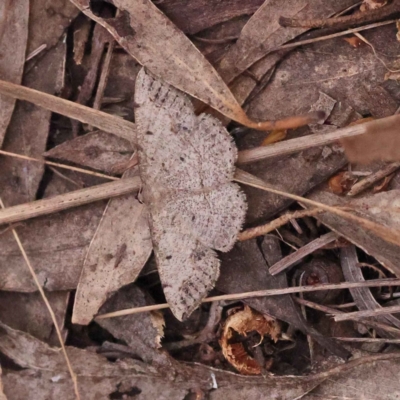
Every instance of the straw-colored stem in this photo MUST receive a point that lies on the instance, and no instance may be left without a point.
(72, 199)
(261, 293)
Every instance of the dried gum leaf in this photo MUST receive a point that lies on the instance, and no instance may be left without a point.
(116, 255)
(156, 43)
(98, 150)
(13, 40)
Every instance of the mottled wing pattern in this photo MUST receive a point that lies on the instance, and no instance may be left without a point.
(186, 164)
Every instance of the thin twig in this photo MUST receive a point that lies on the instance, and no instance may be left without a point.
(58, 165)
(66, 178)
(320, 139)
(389, 235)
(224, 40)
(367, 313)
(304, 251)
(333, 311)
(68, 200)
(367, 340)
(363, 297)
(261, 293)
(390, 11)
(49, 308)
(334, 35)
(251, 233)
(373, 178)
(87, 115)
(127, 130)
(35, 52)
(104, 76)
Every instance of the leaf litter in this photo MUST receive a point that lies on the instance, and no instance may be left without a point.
(266, 103)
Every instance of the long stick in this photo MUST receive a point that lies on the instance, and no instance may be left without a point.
(127, 130)
(262, 293)
(99, 119)
(315, 140)
(69, 200)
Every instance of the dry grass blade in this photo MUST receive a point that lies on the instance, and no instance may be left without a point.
(373, 178)
(99, 119)
(333, 311)
(53, 317)
(65, 201)
(388, 126)
(367, 340)
(390, 235)
(367, 313)
(334, 35)
(261, 293)
(304, 251)
(58, 165)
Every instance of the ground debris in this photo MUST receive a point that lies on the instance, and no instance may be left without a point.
(170, 233)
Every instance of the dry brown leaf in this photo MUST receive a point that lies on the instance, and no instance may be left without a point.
(366, 382)
(27, 312)
(382, 208)
(98, 150)
(186, 165)
(45, 375)
(244, 322)
(20, 179)
(120, 248)
(48, 20)
(192, 16)
(142, 30)
(2, 395)
(57, 254)
(142, 333)
(154, 41)
(13, 39)
(263, 33)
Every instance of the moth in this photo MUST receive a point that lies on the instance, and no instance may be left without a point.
(186, 164)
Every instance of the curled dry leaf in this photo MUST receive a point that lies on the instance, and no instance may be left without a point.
(244, 322)
(342, 182)
(13, 39)
(186, 165)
